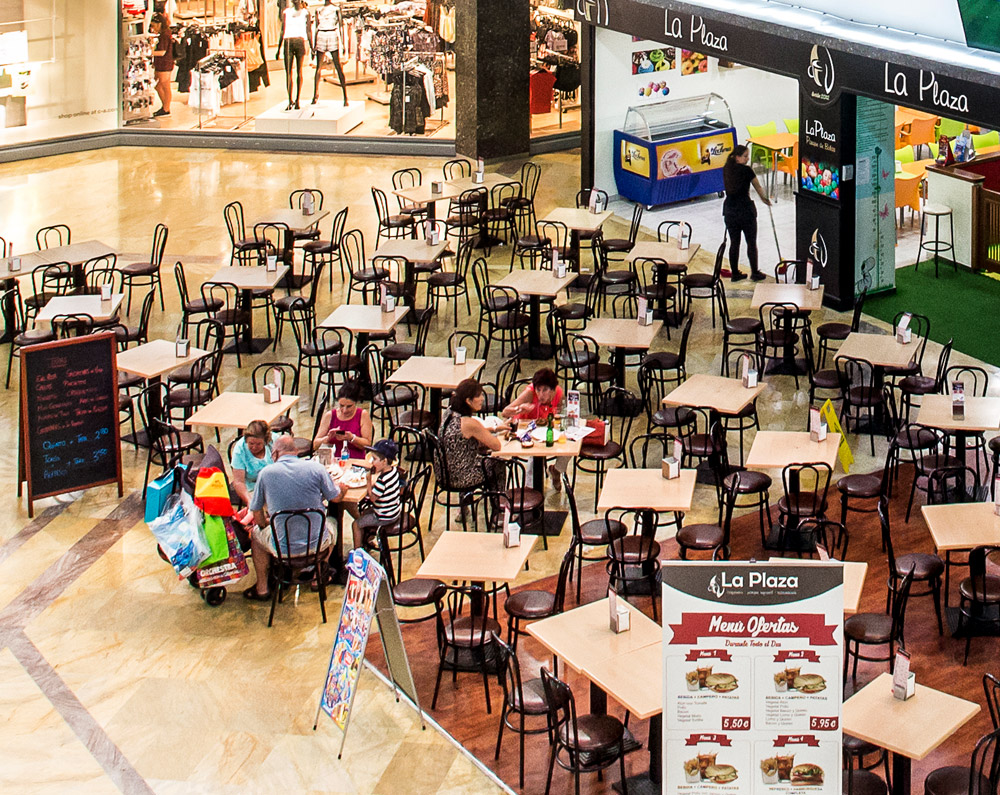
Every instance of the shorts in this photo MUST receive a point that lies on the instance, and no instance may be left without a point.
(327, 41)
(262, 535)
(294, 48)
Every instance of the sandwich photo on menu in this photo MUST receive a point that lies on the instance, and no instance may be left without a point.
(809, 683)
(807, 775)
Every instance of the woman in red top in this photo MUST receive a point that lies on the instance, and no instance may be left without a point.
(537, 402)
(346, 424)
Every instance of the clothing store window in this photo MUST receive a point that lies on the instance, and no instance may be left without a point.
(58, 69)
(555, 68)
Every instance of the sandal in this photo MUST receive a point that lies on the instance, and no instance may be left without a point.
(252, 595)
(556, 477)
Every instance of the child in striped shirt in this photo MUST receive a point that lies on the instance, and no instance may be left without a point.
(384, 490)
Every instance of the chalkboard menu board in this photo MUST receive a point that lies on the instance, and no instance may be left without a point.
(69, 416)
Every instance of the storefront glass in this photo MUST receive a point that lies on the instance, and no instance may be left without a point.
(58, 69)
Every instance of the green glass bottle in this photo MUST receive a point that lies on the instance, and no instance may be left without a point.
(550, 437)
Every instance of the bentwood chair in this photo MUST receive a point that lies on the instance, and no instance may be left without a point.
(245, 248)
(521, 699)
(580, 743)
(465, 635)
(191, 307)
(413, 593)
(532, 604)
(877, 629)
(708, 285)
(981, 777)
(301, 557)
(594, 533)
(391, 226)
(147, 274)
(297, 201)
(979, 598)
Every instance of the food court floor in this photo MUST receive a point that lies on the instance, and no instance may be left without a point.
(114, 675)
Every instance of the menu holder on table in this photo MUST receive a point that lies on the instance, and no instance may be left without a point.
(671, 465)
(958, 400)
(511, 531)
(272, 389)
(817, 428)
(904, 334)
(460, 355)
(748, 373)
(388, 302)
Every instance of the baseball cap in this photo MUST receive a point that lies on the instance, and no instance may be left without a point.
(386, 448)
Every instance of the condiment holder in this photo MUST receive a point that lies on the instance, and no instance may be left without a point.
(903, 331)
(14, 264)
(437, 186)
(388, 302)
(511, 531)
(618, 614)
(183, 348)
(670, 467)
(904, 682)
(105, 292)
(272, 389)
(748, 373)
(272, 263)
(308, 203)
(460, 355)
(817, 428)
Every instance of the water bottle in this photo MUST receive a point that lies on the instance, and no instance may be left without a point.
(345, 457)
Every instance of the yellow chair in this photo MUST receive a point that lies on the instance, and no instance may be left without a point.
(759, 154)
(948, 127)
(980, 142)
(934, 149)
(792, 125)
(907, 195)
(905, 154)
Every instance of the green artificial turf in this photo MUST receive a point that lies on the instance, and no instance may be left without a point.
(962, 305)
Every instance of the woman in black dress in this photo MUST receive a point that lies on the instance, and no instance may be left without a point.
(739, 211)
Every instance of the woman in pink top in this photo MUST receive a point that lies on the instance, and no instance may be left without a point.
(347, 423)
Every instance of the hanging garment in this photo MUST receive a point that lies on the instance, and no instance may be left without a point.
(540, 87)
(412, 118)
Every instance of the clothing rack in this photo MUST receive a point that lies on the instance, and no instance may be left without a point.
(381, 97)
(239, 55)
(427, 58)
(358, 79)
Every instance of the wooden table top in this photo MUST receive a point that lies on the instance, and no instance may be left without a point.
(239, 409)
(882, 350)
(778, 449)
(295, 220)
(582, 637)
(634, 680)
(981, 413)
(80, 305)
(918, 167)
(511, 448)
(621, 332)
(435, 372)
(412, 249)
(647, 488)
(912, 728)
(579, 218)
(155, 357)
(537, 282)
(725, 395)
(775, 141)
(475, 557)
(798, 294)
(668, 251)
(74, 254)
(962, 525)
(363, 319)
(490, 179)
(855, 572)
(250, 277)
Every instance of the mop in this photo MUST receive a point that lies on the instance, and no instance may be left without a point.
(775, 230)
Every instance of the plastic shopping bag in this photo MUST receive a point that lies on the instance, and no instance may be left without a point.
(218, 543)
(232, 568)
(159, 490)
(179, 533)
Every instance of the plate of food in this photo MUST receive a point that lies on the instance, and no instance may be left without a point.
(354, 478)
(721, 774)
(809, 683)
(807, 775)
(721, 683)
(539, 434)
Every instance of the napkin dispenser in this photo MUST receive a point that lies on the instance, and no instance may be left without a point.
(460, 355)
(619, 615)
(671, 468)
(904, 682)
(559, 270)
(105, 292)
(817, 428)
(812, 278)
(478, 177)
(642, 314)
(748, 373)
(388, 300)
(437, 186)
(308, 203)
(271, 263)
(325, 455)
(511, 531)
(903, 331)
(15, 264)
(272, 389)
(431, 234)
(183, 348)
(958, 400)
(684, 240)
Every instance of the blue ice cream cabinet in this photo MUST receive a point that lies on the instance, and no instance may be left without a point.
(673, 150)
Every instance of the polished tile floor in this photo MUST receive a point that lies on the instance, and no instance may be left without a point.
(113, 674)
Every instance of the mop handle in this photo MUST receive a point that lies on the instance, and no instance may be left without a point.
(774, 229)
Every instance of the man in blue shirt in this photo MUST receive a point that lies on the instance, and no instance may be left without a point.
(289, 484)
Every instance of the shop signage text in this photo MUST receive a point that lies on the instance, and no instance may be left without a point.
(930, 90)
(673, 27)
(814, 129)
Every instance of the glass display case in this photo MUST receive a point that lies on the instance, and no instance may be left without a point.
(673, 150)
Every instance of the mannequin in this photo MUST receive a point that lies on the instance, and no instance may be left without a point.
(296, 30)
(327, 41)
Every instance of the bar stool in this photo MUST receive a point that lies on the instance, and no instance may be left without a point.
(936, 245)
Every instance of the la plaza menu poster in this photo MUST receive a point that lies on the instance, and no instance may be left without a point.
(752, 667)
